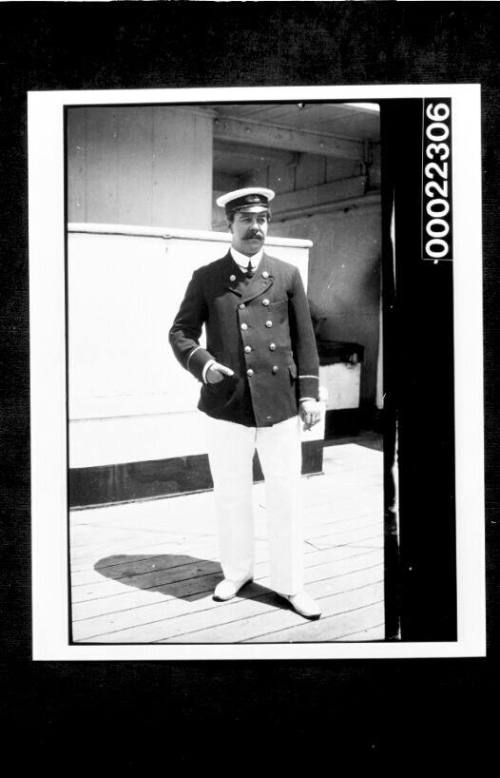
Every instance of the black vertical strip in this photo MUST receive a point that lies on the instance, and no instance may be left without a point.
(392, 599)
(422, 347)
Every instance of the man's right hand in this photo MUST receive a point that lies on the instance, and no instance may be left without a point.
(216, 373)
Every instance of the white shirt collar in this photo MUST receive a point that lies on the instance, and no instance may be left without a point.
(242, 259)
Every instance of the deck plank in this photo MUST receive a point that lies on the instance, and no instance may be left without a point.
(375, 633)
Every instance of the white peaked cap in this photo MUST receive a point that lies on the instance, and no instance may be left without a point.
(251, 195)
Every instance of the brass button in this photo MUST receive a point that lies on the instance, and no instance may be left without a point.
(265, 274)
(244, 326)
(232, 278)
(248, 349)
(272, 347)
(242, 305)
(265, 301)
(275, 368)
(269, 323)
(250, 372)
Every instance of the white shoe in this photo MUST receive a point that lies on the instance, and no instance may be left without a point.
(226, 589)
(304, 604)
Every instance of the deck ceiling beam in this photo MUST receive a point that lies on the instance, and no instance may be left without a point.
(259, 154)
(276, 137)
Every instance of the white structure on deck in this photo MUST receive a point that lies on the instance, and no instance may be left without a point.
(129, 399)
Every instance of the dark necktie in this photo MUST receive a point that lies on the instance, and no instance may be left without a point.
(249, 270)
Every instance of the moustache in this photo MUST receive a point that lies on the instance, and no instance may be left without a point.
(251, 235)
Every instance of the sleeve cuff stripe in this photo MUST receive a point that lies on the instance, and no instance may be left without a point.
(309, 376)
(190, 355)
(205, 369)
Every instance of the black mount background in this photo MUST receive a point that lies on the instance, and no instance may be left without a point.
(132, 716)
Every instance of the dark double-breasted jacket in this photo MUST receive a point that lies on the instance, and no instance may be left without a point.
(261, 328)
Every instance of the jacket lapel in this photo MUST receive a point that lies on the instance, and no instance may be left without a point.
(232, 276)
(261, 282)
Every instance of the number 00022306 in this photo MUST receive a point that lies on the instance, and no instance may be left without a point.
(437, 222)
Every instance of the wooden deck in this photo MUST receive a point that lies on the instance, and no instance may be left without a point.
(145, 572)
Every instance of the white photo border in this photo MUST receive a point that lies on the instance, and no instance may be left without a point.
(49, 450)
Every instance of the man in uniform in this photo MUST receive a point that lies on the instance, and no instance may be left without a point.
(259, 376)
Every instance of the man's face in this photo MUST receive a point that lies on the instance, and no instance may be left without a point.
(249, 232)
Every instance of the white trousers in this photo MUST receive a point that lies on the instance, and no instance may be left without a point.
(230, 450)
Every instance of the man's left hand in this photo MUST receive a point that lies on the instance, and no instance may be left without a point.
(310, 413)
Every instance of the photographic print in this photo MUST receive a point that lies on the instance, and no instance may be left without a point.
(247, 457)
